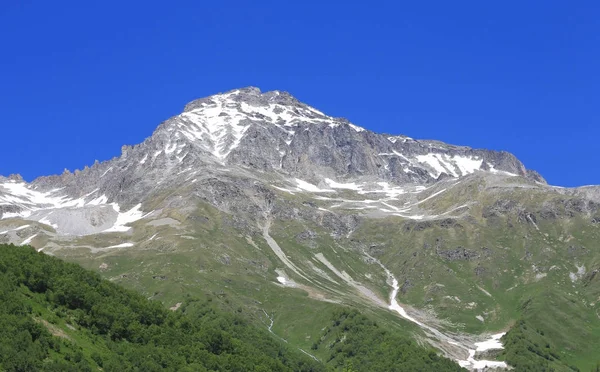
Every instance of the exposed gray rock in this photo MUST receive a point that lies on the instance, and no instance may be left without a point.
(458, 254)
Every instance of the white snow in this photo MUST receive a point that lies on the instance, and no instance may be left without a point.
(442, 163)
(335, 185)
(400, 155)
(309, 186)
(144, 159)
(106, 171)
(430, 197)
(28, 240)
(467, 165)
(410, 216)
(46, 221)
(386, 188)
(125, 218)
(496, 171)
(13, 215)
(492, 343)
(219, 134)
(122, 245)
(90, 193)
(99, 200)
(356, 128)
(471, 362)
(30, 200)
(15, 229)
(454, 209)
(383, 203)
(363, 189)
(170, 148)
(33, 201)
(180, 158)
(219, 127)
(394, 139)
(284, 189)
(433, 161)
(396, 307)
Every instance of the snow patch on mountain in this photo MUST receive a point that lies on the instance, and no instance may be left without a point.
(455, 166)
(122, 245)
(68, 216)
(219, 123)
(303, 185)
(348, 186)
(132, 215)
(28, 240)
(15, 229)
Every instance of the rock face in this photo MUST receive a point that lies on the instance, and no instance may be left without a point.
(218, 141)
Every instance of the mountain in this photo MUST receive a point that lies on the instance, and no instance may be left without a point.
(281, 209)
(246, 132)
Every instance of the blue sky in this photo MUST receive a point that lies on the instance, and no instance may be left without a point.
(80, 79)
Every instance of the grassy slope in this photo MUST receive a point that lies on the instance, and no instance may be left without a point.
(95, 324)
(525, 267)
(510, 258)
(66, 318)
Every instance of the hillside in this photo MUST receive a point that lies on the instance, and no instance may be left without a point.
(56, 316)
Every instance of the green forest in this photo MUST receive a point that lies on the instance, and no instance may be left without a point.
(528, 348)
(356, 343)
(117, 329)
(57, 316)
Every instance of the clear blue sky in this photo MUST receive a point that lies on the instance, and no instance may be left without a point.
(78, 80)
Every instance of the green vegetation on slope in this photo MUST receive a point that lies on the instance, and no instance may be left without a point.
(528, 349)
(519, 254)
(57, 316)
(556, 333)
(354, 342)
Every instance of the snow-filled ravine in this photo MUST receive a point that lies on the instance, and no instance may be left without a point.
(456, 347)
(493, 343)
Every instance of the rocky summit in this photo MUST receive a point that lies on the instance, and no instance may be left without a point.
(245, 132)
(263, 198)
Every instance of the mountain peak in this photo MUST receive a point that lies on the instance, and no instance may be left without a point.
(249, 95)
(217, 123)
(275, 131)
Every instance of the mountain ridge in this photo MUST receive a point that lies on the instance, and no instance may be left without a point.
(253, 95)
(245, 131)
